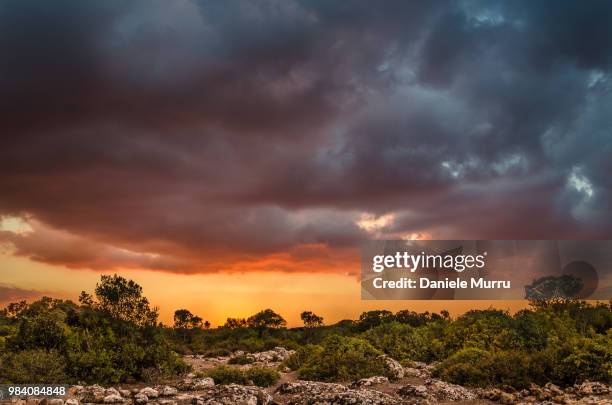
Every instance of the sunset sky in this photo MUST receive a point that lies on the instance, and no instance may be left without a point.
(231, 156)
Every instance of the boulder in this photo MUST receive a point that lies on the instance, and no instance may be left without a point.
(71, 401)
(349, 397)
(111, 391)
(393, 369)
(185, 399)
(276, 355)
(140, 398)
(203, 383)
(113, 399)
(414, 390)
(190, 384)
(449, 392)
(149, 392)
(591, 388)
(310, 388)
(93, 393)
(234, 394)
(553, 389)
(437, 390)
(168, 391)
(368, 382)
(125, 393)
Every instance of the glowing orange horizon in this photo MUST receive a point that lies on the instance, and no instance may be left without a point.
(215, 297)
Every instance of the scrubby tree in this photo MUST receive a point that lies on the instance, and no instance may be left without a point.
(184, 319)
(123, 299)
(311, 320)
(371, 319)
(13, 309)
(85, 299)
(266, 319)
(235, 323)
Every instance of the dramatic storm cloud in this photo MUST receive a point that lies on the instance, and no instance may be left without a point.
(277, 135)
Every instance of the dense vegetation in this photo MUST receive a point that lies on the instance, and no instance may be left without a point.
(113, 336)
(109, 338)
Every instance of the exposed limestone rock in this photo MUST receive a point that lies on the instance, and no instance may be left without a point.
(234, 394)
(591, 388)
(185, 399)
(497, 395)
(414, 390)
(393, 368)
(553, 389)
(92, 393)
(276, 355)
(190, 384)
(437, 390)
(168, 391)
(419, 370)
(113, 399)
(349, 397)
(111, 391)
(310, 388)
(71, 401)
(368, 382)
(140, 398)
(150, 392)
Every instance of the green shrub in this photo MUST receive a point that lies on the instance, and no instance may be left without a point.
(466, 367)
(343, 359)
(588, 359)
(241, 359)
(301, 355)
(227, 375)
(262, 376)
(32, 366)
(394, 339)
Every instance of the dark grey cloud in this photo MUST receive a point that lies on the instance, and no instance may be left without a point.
(10, 293)
(193, 129)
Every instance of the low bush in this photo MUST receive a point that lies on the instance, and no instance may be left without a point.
(301, 355)
(32, 366)
(342, 359)
(241, 359)
(565, 364)
(227, 375)
(260, 376)
(466, 367)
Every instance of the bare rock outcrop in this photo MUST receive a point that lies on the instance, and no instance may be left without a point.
(370, 381)
(195, 384)
(234, 394)
(270, 357)
(310, 388)
(349, 397)
(437, 390)
(393, 369)
(320, 393)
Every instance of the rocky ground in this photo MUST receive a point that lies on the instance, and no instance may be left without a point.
(408, 385)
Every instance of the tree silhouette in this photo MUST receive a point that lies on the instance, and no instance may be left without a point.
(311, 320)
(266, 319)
(123, 299)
